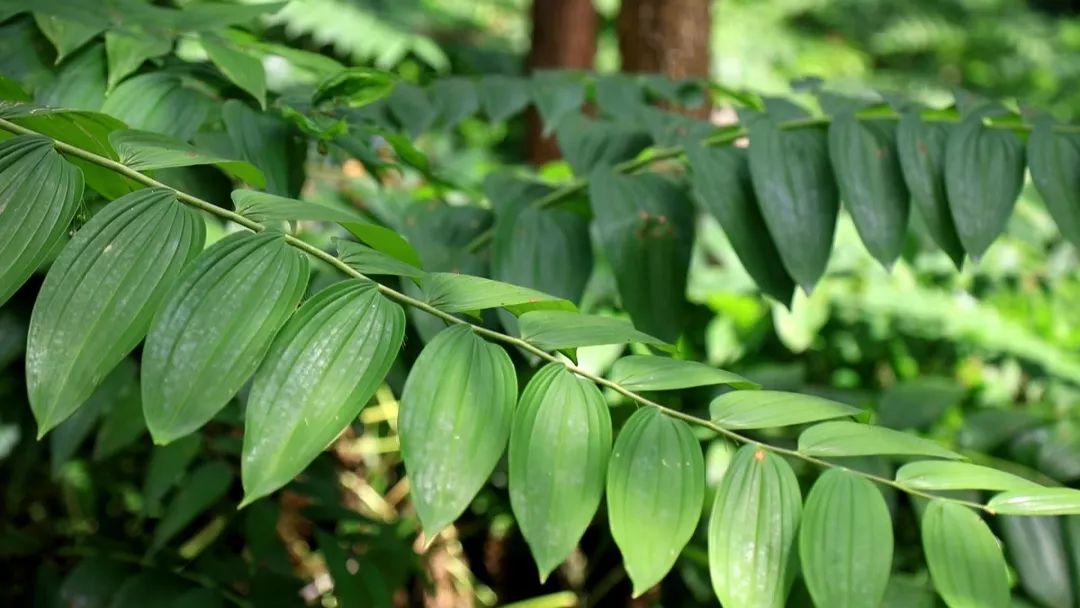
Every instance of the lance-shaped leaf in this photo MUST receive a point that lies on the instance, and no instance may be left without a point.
(503, 96)
(243, 70)
(205, 487)
(655, 491)
(128, 48)
(921, 146)
(867, 170)
(366, 260)
(586, 143)
(843, 438)
(146, 151)
(645, 224)
(453, 292)
(938, 475)
(846, 541)
(1036, 548)
(455, 99)
(322, 368)
(752, 531)
(100, 294)
(797, 194)
(66, 35)
(721, 180)
(166, 467)
(412, 108)
(39, 193)
(1054, 161)
(556, 94)
(964, 558)
(215, 328)
(1037, 501)
(456, 412)
(559, 450)
(160, 103)
(651, 373)
(766, 409)
(268, 142)
(984, 171)
(559, 329)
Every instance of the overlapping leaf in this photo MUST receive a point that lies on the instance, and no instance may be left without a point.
(269, 143)
(159, 103)
(558, 457)
(964, 558)
(127, 49)
(206, 486)
(456, 413)
(39, 193)
(215, 327)
(1054, 161)
(921, 147)
(655, 491)
(1036, 548)
(80, 328)
(242, 69)
(503, 96)
(146, 151)
(322, 368)
(452, 292)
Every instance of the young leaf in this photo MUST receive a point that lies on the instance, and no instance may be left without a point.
(868, 173)
(842, 438)
(145, 151)
(452, 292)
(39, 193)
(503, 96)
(795, 187)
(559, 329)
(752, 531)
(921, 147)
(214, 329)
(80, 329)
(655, 491)
(984, 172)
(767, 409)
(937, 475)
(964, 558)
(1054, 162)
(646, 226)
(456, 412)
(370, 261)
(559, 449)
(1036, 548)
(322, 368)
(128, 48)
(199, 492)
(721, 181)
(1037, 501)
(651, 373)
(243, 70)
(845, 541)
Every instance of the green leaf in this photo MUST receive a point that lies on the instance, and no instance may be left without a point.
(503, 96)
(767, 409)
(556, 94)
(358, 86)
(964, 558)
(323, 367)
(559, 329)
(587, 144)
(645, 225)
(921, 146)
(39, 193)
(349, 585)
(919, 403)
(1054, 162)
(937, 475)
(242, 69)
(456, 410)
(797, 194)
(11, 90)
(385, 240)
(80, 83)
(455, 99)
(269, 143)
(64, 34)
(1037, 501)
(127, 49)
(868, 173)
(263, 207)
(619, 95)
(146, 151)
(722, 184)
(655, 491)
(651, 373)
(984, 172)
(846, 541)
(559, 449)
(160, 103)
(452, 292)
(215, 327)
(166, 468)
(69, 435)
(366, 260)
(122, 423)
(1036, 548)
(412, 108)
(842, 438)
(93, 582)
(201, 490)
(80, 329)
(752, 528)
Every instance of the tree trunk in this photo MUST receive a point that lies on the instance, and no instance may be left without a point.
(669, 37)
(563, 36)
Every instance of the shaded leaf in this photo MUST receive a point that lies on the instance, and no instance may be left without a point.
(587, 144)
(964, 558)
(205, 487)
(1054, 162)
(451, 292)
(556, 94)
(65, 34)
(146, 151)
(269, 143)
(366, 260)
(651, 373)
(456, 412)
(767, 409)
(455, 99)
(127, 49)
(919, 402)
(167, 466)
(122, 423)
(503, 96)
(263, 207)
(921, 147)
(160, 103)
(412, 108)
(242, 69)
(1036, 548)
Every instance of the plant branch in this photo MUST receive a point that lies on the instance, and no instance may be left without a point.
(402, 298)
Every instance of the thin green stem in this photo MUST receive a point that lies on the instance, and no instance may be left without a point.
(524, 345)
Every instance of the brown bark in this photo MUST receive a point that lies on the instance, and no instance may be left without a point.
(563, 36)
(669, 37)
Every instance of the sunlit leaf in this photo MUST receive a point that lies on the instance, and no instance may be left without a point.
(1037, 501)
(938, 475)
(651, 373)
(559, 329)
(843, 438)
(766, 409)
